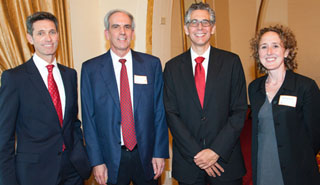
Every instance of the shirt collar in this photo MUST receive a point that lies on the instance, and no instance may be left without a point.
(115, 57)
(40, 63)
(194, 55)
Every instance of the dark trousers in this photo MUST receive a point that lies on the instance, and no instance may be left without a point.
(131, 169)
(68, 174)
(205, 179)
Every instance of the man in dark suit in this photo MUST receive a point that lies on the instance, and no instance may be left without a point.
(205, 102)
(122, 109)
(39, 106)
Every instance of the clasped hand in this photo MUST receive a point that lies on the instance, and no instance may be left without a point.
(207, 160)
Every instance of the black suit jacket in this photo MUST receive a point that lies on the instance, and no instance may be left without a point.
(218, 125)
(27, 113)
(297, 128)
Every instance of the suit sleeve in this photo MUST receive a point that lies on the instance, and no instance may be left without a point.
(161, 145)
(311, 107)
(229, 134)
(9, 105)
(89, 126)
(184, 140)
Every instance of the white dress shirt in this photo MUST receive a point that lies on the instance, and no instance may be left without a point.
(41, 66)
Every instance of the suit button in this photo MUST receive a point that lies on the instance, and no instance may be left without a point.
(203, 118)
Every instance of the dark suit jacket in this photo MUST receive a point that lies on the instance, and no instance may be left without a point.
(297, 128)
(218, 125)
(102, 118)
(27, 112)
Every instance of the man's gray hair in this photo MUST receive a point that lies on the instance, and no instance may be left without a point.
(111, 12)
(199, 6)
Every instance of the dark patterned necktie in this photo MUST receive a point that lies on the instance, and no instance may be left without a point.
(127, 121)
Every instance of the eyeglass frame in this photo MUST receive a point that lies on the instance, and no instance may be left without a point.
(196, 22)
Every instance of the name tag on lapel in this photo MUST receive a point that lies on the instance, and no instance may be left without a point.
(139, 79)
(287, 100)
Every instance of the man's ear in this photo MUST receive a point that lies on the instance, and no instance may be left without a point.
(29, 38)
(106, 34)
(186, 29)
(213, 29)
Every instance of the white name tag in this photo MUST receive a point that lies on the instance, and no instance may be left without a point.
(288, 100)
(138, 79)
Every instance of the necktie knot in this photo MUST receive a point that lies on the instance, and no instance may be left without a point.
(199, 60)
(122, 61)
(50, 68)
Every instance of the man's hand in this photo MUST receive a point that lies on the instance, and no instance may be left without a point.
(158, 166)
(100, 173)
(206, 158)
(214, 170)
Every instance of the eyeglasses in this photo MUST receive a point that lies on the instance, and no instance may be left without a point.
(195, 23)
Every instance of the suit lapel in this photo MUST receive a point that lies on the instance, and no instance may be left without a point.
(37, 81)
(108, 75)
(137, 69)
(214, 67)
(187, 73)
(68, 92)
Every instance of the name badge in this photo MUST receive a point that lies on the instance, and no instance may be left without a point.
(287, 100)
(138, 79)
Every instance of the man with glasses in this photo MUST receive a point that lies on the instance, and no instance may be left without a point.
(205, 102)
(122, 109)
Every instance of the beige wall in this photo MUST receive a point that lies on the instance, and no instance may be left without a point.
(303, 19)
(241, 24)
(176, 44)
(161, 29)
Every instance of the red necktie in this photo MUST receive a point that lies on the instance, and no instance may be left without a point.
(199, 79)
(127, 121)
(54, 93)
